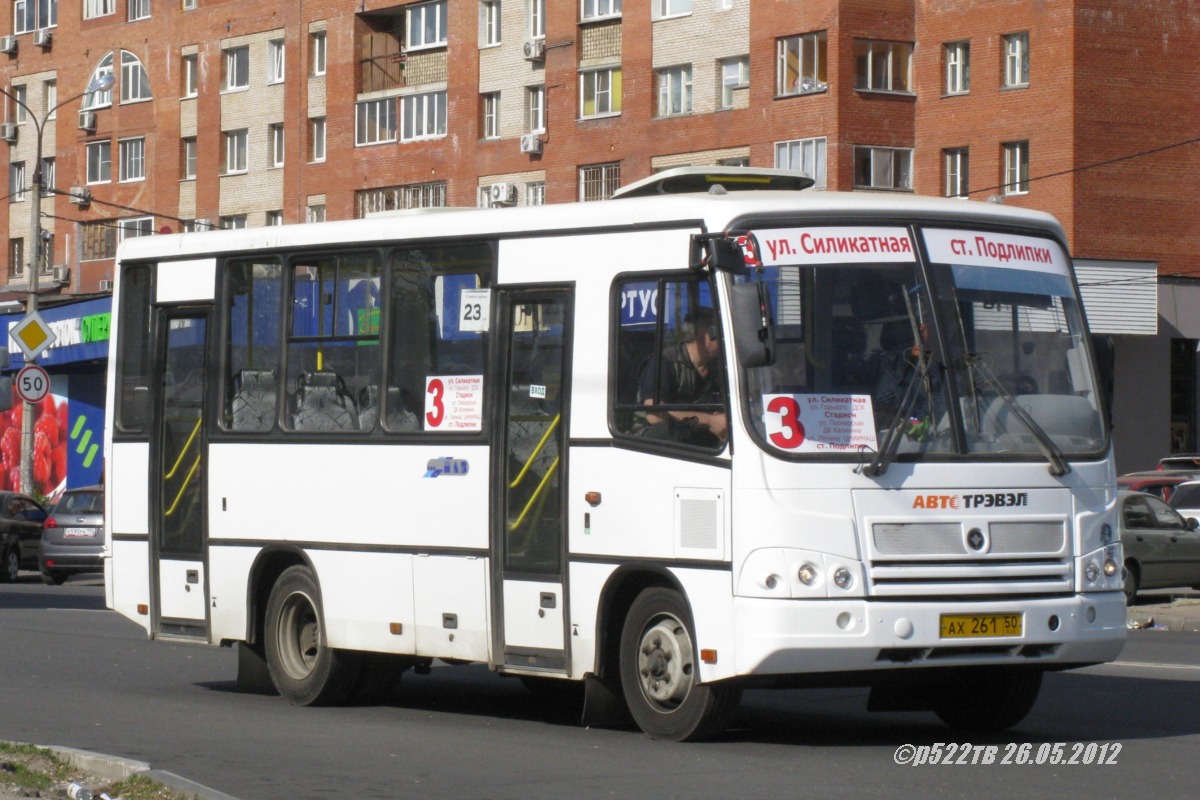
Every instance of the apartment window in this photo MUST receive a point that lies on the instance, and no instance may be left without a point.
(50, 95)
(535, 194)
(744, 161)
(235, 152)
(735, 74)
(132, 157)
(424, 116)
(598, 9)
(800, 63)
(31, 15)
(599, 181)
(316, 139)
(99, 99)
(1016, 59)
(882, 66)
(275, 61)
(955, 168)
(600, 92)
(673, 8)
(187, 159)
(1016, 167)
(139, 9)
(883, 168)
(135, 82)
(233, 221)
(803, 155)
(16, 181)
(957, 56)
(315, 213)
(317, 43)
(189, 5)
(133, 227)
(275, 143)
(16, 257)
(490, 20)
(191, 76)
(537, 18)
(426, 25)
(99, 162)
(20, 103)
(97, 240)
(237, 68)
(274, 218)
(48, 175)
(375, 121)
(491, 115)
(674, 91)
(535, 100)
(98, 8)
(387, 198)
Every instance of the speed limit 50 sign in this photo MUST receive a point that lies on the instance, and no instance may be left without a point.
(33, 384)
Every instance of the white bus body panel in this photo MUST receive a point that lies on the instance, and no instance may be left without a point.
(127, 580)
(452, 609)
(362, 594)
(530, 622)
(181, 589)
(186, 281)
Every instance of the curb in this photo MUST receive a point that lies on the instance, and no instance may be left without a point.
(114, 768)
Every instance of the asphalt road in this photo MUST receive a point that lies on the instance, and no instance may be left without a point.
(75, 674)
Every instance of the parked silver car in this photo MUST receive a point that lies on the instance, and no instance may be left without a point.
(1162, 548)
(73, 536)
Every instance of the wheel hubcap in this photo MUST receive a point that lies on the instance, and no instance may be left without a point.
(299, 635)
(665, 666)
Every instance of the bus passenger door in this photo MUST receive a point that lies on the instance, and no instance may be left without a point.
(179, 453)
(529, 469)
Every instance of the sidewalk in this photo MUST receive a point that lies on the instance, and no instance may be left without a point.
(1172, 612)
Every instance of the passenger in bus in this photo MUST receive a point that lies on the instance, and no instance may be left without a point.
(688, 373)
(899, 366)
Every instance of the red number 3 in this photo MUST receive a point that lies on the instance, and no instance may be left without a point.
(792, 435)
(437, 389)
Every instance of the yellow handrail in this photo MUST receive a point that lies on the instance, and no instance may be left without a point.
(536, 494)
(536, 451)
(187, 446)
(183, 487)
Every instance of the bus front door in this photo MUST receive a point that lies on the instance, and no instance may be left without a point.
(530, 473)
(179, 452)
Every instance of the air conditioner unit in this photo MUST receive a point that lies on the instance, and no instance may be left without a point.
(79, 196)
(503, 194)
(43, 37)
(8, 132)
(531, 143)
(535, 50)
(87, 120)
(8, 44)
(106, 286)
(62, 274)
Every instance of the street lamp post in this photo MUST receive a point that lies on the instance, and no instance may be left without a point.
(101, 84)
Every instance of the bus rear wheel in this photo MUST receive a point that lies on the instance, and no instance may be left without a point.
(989, 700)
(303, 668)
(659, 674)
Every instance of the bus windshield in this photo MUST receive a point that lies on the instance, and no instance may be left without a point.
(979, 350)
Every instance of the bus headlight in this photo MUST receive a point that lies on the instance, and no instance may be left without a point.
(807, 574)
(1091, 572)
(842, 578)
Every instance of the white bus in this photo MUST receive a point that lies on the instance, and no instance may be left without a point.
(667, 446)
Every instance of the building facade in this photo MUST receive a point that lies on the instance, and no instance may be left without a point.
(252, 113)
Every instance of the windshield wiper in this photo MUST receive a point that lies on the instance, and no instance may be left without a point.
(891, 439)
(1058, 464)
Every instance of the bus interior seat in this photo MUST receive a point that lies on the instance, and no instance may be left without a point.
(253, 406)
(323, 403)
(400, 416)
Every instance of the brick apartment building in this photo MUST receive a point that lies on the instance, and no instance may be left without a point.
(255, 113)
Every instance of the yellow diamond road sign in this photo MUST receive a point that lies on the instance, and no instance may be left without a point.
(32, 335)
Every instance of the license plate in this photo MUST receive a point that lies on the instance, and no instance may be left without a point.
(980, 626)
(78, 533)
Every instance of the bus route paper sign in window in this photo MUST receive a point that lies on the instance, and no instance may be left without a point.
(819, 423)
(454, 403)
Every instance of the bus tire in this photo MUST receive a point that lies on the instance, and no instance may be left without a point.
(304, 669)
(987, 700)
(660, 676)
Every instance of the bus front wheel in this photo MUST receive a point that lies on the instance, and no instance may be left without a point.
(659, 674)
(988, 700)
(303, 668)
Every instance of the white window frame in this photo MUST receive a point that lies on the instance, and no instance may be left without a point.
(189, 5)
(134, 227)
(98, 8)
(425, 25)
(889, 66)
(188, 147)
(20, 104)
(273, 219)
(536, 12)
(276, 61)
(191, 75)
(1016, 60)
(597, 86)
(956, 169)
(667, 9)
(319, 44)
(50, 98)
(423, 116)
(489, 11)
(16, 182)
(139, 10)
(491, 115)
(49, 165)
(891, 168)
(1016, 167)
(135, 81)
(316, 138)
(735, 74)
(99, 99)
(535, 193)
(277, 144)
(599, 9)
(675, 91)
(808, 51)
(957, 58)
(375, 121)
(535, 99)
(809, 156)
(605, 177)
(236, 146)
(314, 213)
(99, 162)
(131, 159)
(233, 222)
(237, 69)
(28, 15)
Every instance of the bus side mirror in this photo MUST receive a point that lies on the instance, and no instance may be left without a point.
(753, 328)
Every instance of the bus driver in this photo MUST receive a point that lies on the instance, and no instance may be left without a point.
(688, 373)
